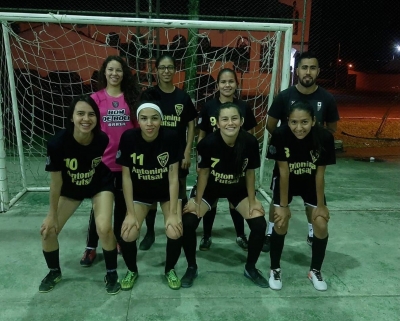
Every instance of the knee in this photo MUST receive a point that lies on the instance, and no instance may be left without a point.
(190, 222)
(132, 236)
(320, 224)
(104, 230)
(172, 234)
(257, 225)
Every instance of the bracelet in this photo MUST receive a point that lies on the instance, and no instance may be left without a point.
(194, 202)
(284, 206)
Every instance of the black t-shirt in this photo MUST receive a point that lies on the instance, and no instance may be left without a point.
(300, 155)
(148, 162)
(323, 102)
(178, 110)
(81, 166)
(215, 154)
(208, 115)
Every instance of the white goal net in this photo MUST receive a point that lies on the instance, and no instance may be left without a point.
(46, 59)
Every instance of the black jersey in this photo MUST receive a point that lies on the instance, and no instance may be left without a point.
(81, 166)
(208, 115)
(178, 110)
(324, 105)
(148, 162)
(215, 154)
(302, 159)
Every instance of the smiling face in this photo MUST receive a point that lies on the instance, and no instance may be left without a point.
(114, 73)
(300, 123)
(308, 71)
(166, 70)
(150, 123)
(229, 122)
(84, 118)
(227, 85)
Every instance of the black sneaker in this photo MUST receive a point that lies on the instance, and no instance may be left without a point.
(267, 243)
(50, 281)
(205, 243)
(242, 242)
(310, 239)
(112, 283)
(190, 274)
(147, 241)
(256, 276)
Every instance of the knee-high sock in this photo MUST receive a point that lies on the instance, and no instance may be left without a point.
(92, 240)
(275, 253)
(208, 221)
(238, 222)
(173, 252)
(318, 252)
(129, 253)
(110, 258)
(189, 239)
(257, 227)
(150, 221)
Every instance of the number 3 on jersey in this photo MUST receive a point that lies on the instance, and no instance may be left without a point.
(137, 157)
(215, 161)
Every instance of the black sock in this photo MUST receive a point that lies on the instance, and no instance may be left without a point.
(150, 221)
(92, 236)
(52, 259)
(110, 258)
(189, 240)
(275, 253)
(208, 221)
(174, 248)
(257, 226)
(184, 202)
(129, 253)
(238, 222)
(318, 252)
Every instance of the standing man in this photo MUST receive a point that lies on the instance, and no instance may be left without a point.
(325, 110)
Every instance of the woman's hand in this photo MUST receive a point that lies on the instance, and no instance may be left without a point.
(282, 216)
(49, 223)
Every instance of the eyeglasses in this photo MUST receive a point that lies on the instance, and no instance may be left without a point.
(164, 68)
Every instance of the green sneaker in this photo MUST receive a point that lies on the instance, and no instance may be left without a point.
(173, 281)
(50, 281)
(112, 284)
(129, 280)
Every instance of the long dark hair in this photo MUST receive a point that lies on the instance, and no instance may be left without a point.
(316, 130)
(231, 71)
(129, 85)
(70, 112)
(240, 143)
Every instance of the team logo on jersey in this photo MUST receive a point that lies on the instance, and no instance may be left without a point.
(319, 105)
(163, 159)
(96, 161)
(287, 152)
(314, 156)
(115, 104)
(245, 163)
(272, 149)
(178, 109)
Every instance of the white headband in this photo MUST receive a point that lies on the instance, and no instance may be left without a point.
(149, 105)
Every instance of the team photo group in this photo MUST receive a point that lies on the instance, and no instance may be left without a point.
(130, 152)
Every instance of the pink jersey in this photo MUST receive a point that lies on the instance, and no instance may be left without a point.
(114, 120)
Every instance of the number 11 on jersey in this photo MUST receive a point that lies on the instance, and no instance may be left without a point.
(137, 158)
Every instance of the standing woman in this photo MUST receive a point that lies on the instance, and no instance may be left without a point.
(74, 160)
(227, 84)
(302, 149)
(149, 157)
(116, 99)
(227, 159)
(179, 115)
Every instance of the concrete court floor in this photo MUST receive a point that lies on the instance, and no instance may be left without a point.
(361, 265)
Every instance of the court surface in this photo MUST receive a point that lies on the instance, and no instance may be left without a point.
(361, 265)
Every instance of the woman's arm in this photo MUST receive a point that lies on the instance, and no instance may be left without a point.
(127, 189)
(250, 185)
(283, 183)
(202, 134)
(320, 185)
(173, 188)
(56, 182)
(189, 144)
(202, 179)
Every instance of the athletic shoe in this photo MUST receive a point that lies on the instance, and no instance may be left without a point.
(129, 280)
(50, 281)
(242, 242)
(189, 276)
(112, 284)
(310, 239)
(147, 241)
(173, 281)
(205, 243)
(256, 276)
(267, 243)
(316, 278)
(119, 249)
(88, 257)
(275, 281)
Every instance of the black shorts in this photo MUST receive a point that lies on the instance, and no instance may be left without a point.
(309, 195)
(100, 183)
(234, 197)
(151, 200)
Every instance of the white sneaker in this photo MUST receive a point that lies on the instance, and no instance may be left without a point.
(275, 281)
(316, 278)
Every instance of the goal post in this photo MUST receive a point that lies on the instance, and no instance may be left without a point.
(46, 59)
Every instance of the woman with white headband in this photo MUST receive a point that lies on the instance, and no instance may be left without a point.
(149, 156)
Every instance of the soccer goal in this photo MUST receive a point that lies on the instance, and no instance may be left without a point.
(46, 59)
